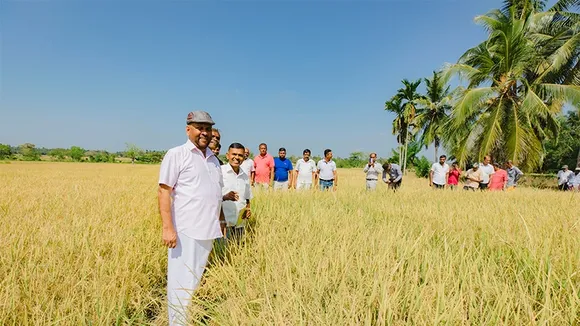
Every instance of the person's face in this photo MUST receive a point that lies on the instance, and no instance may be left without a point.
(509, 165)
(246, 153)
(486, 160)
(442, 160)
(235, 156)
(495, 168)
(576, 172)
(454, 166)
(329, 155)
(282, 154)
(373, 157)
(216, 151)
(215, 137)
(565, 169)
(199, 134)
(306, 156)
(475, 168)
(263, 150)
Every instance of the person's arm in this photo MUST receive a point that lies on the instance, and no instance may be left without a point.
(253, 174)
(222, 221)
(446, 177)
(272, 173)
(169, 235)
(431, 176)
(399, 174)
(366, 169)
(518, 175)
(335, 183)
(385, 176)
(248, 196)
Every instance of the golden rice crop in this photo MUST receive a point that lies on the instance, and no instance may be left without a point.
(81, 245)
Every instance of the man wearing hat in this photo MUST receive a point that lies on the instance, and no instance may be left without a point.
(190, 196)
(564, 177)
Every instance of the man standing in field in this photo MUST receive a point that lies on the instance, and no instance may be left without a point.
(248, 164)
(485, 170)
(305, 175)
(327, 172)
(190, 196)
(574, 183)
(564, 177)
(264, 167)
(439, 173)
(472, 178)
(514, 174)
(237, 192)
(372, 170)
(282, 171)
(392, 175)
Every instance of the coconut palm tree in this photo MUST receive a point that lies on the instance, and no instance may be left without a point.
(518, 81)
(433, 111)
(404, 105)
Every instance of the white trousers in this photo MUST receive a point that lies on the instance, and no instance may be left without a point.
(372, 184)
(303, 185)
(185, 265)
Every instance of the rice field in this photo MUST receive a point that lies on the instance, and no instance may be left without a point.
(81, 245)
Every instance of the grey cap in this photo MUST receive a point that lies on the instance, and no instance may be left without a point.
(564, 166)
(199, 117)
(475, 165)
(577, 169)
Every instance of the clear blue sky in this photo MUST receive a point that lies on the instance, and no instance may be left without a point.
(299, 74)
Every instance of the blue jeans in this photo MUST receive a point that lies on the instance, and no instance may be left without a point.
(326, 184)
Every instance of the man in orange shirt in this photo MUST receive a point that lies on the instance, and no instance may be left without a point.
(264, 168)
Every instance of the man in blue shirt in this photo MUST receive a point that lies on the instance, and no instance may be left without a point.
(282, 171)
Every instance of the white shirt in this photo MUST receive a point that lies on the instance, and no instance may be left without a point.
(326, 169)
(239, 183)
(197, 190)
(439, 173)
(305, 170)
(248, 166)
(564, 177)
(486, 171)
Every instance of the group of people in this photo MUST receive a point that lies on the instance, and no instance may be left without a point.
(482, 176)
(568, 179)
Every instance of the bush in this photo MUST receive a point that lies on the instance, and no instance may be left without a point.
(422, 167)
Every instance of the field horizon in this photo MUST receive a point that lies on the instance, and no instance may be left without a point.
(84, 247)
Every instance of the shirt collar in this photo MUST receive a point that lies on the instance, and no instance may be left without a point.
(191, 146)
(229, 169)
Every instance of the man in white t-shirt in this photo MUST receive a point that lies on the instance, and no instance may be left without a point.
(190, 197)
(305, 171)
(327, 175)
(486, 170)
(236, 191)
(248, 164)
(439, 173)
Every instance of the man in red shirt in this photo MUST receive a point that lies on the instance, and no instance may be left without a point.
(264, 168)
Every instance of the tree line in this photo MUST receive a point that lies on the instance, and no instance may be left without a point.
(513, 88)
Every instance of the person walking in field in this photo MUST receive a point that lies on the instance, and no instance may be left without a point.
(248, 164)
(327, 175)
(485, 170)
(564, 177)
(372, 170)
(305, 175)
(454, 175)
(498, 180)
(282, 171)
(190, 198)
(392, 175)
(264, 168)
(236, 191)
(514, 175)
(472, 178)
(439, 173)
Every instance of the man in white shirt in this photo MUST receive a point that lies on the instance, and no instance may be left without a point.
(564, 177)
(486, 170)
(439, 173)
(327, 172)
(248, 164)
(237, 192)
(190, 196)
(305, 175)
(372, 170)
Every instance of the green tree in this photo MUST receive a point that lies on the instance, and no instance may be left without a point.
(29, 152)
(58, 154)
(564, 149)
(5, 151)
(433, 111)
(518, 81)
(404, 105)
(76, 153)
(133, 152)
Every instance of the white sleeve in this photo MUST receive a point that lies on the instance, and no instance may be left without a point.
(169, 171)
